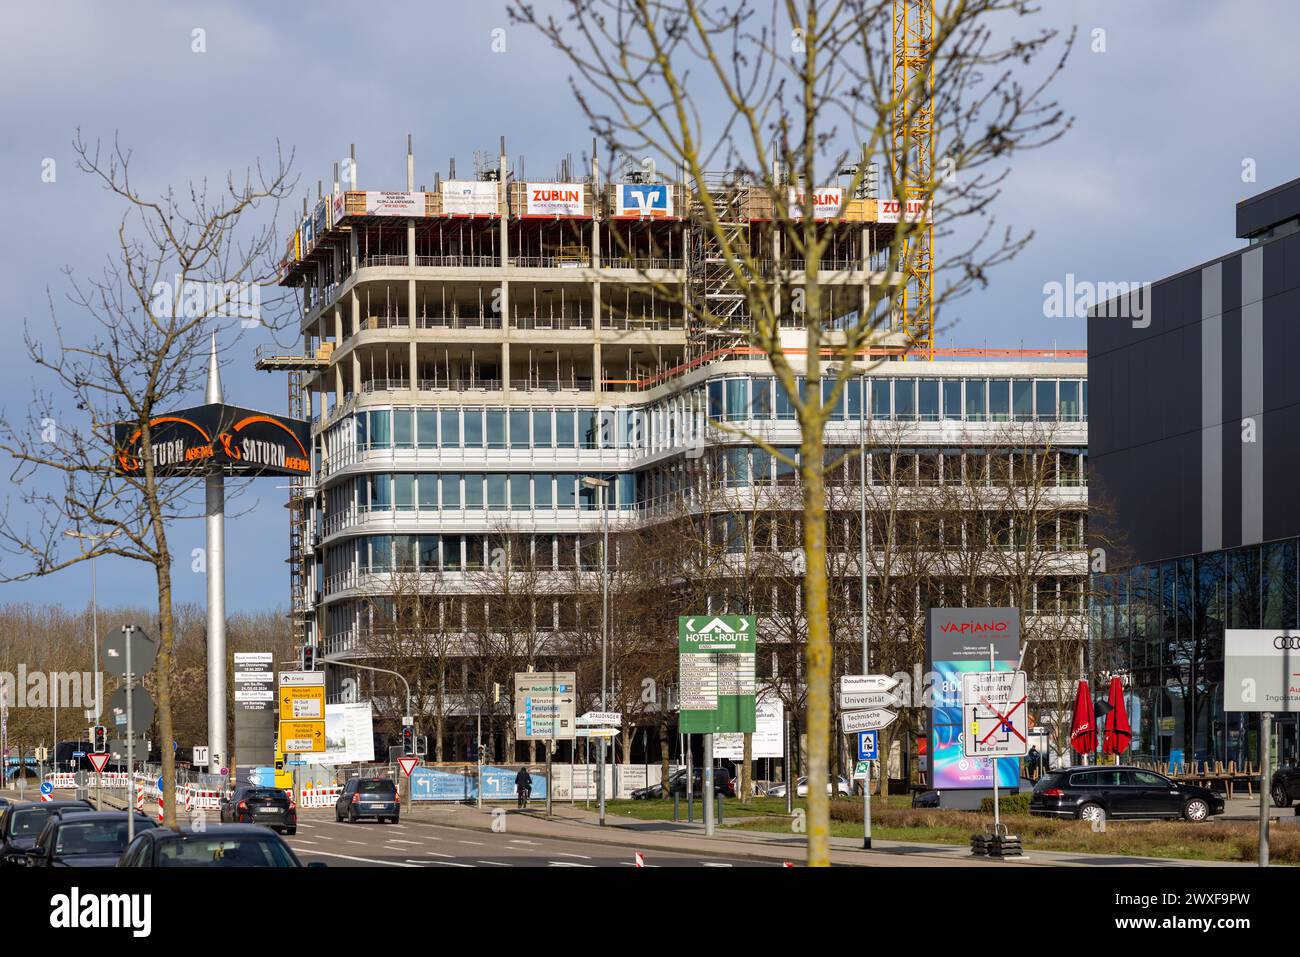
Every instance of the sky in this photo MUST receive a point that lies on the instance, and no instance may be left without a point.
(1175, 103)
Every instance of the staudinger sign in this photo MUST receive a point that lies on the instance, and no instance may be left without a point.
(211, 437)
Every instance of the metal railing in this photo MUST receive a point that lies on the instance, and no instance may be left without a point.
(459, 262)
(459, 385)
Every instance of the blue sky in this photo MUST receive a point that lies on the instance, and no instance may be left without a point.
(1143, 186)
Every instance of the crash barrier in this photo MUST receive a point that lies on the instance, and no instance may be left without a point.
(320, 797)
(200, 799)
(70, 780)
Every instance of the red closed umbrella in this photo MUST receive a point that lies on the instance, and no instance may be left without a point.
(1118, 732)
(1083, 729)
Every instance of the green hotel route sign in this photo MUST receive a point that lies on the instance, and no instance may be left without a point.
(716, 672)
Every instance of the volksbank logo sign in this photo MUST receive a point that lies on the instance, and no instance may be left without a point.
(644, 199)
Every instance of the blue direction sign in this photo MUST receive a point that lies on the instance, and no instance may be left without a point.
(47, 787)
(868, 746)
(160, 784)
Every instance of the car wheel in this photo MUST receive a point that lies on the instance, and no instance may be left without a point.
(338, 816)
(1196, 810)
(352, 817)
(395, 817)
(1093, 813)
(291, 831)
(1280, 796)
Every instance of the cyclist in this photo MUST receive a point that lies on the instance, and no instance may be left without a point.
(523, 786)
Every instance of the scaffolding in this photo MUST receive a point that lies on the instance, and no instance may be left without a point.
(718, 313)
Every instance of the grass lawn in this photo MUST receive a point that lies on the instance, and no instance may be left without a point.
(1213, 841)
(662, 810)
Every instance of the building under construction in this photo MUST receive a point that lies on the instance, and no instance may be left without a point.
(499, 365)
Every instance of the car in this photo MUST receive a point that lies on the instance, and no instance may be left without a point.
(214, 845)
(926, 799)
(1285, 786)
(368, 797)
(84, 839)
(1100, 793)
(723, 784)
(271, 807)
(21, 824)
(842, 787)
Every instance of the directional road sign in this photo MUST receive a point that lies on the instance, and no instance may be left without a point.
(868, 746)
(857, 684)
(995, 720)
(545, 705)
(614, 718)
(869, 720)
(302, 737)
(716, 674)
(590, 732)
(47, 787)
(854, 700)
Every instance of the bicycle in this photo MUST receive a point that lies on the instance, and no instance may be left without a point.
(524, 794)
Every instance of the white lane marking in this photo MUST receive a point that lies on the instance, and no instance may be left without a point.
(363, 860)
(497, 863)
(518, 840)
(448, 863)
(436, 854)
(713, 864)
(401, 840)
(301, 841)
(568, 864)
(585, 857)
(477, 843)
(362, 843)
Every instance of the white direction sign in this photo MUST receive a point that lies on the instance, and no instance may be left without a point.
(852, 700)
(859, 684)
(602, 717)
(870, 720)
(995, 721)
(545, 705)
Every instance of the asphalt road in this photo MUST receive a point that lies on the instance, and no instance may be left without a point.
(417, 844)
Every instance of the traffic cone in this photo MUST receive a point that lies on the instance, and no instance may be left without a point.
(640, 859)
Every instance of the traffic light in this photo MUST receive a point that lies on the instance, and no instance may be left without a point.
(101, 739)
(422, 746)
(408, 740)
(308, 657)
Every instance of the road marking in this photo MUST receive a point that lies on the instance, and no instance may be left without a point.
(362, 843)
(436, 854)
(477, 843)
(448, 863)
(497, 863)
(518, 840)
(568, 864)
(301, 841)
(401, 840)
(363, 860)
(585, 857)
(713, 864)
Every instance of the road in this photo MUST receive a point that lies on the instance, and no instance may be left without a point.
(418, 844)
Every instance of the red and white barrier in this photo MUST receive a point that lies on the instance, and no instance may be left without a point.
(200, 799)
(139, 797)
(319, 797)
(160, 809)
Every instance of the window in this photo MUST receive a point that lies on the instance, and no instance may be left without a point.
(496, 490)
(737, 399)
(450, 490)
(496, 428)
(1000, 399)
(520, 499)
(403, 429)
(542, 437)
(976, 406)
(381, 553)
(1045, 399)
(762, 467)
(762, 399)
(427, 546)
(1069, 401)
(880, 404)
(737, 467)
(381, 496)
(428, 490)
(608, 429)
(566, 490)
(1149, 779)
(1022, 399)
(404, 491)
(784, 410)
(627, 490)
(564, 432)
(451, 428)
(451, 557)
(426, 428)
(473, 428)
(952, 399)
(363, 420)
(474, 490)
(589, 426)
(828, 389)
(853, 397)
(715, 400)
(905, 399)
(542, 497)
(380, 434)
(519, 428)
(928, 403)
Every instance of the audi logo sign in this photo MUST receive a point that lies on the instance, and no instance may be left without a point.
(1261, 670)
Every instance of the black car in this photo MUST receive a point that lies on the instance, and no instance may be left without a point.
(21, 824)
(368, 797)
(84, 839)
(1285, 786)
(1100, 793)
(216, 845)
(271, 807)
(723, 784)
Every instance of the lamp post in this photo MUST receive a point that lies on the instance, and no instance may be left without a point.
(866, 655)
(591, 481)
(94, 611)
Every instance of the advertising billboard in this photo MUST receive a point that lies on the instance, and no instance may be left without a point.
(911, 211)
(394, 204)
(555, 199)
(957, 642)
(826, 202)
(238, 441)
(769, 732)
(349, 735)
(469, 198)
(643, 200)
(1261, 670)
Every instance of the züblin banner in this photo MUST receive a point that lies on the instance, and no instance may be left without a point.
(958, 640)
(237, 441)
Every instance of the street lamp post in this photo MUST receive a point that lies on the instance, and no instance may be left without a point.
(94, 610)
(591, 481)
(866, 656)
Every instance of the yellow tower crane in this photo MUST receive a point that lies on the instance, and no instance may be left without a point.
(912, 134)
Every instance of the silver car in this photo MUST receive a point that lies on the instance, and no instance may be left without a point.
(842, 786)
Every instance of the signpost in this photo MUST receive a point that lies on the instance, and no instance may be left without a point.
(871, 720)
(995, 720)
(613, 718)
(545, 705)
(868, 746)
(302, 712)
(98, 761)
(128, 654)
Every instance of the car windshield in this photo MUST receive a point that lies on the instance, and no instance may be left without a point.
(376, 787)
(265, 794)
(243, 851)
(27, 822)
(75, 838)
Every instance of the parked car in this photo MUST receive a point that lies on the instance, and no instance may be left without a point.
(368, 797)
(21, 824)
(83, 839)
(1285, 786)
(216, 845)
(925, 799)
(840, 786)
(1099, 793)
(723, 784)
(271, 807)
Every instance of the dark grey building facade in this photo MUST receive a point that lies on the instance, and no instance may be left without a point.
(1195, 452)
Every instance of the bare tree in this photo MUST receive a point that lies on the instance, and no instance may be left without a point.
(180, 263)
